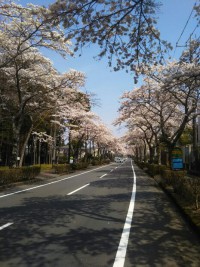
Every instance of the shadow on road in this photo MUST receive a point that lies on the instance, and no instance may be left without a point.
(50, 231)
(84, 230)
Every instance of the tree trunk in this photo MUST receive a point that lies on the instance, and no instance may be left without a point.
(197, 201)
(151, 154)
(22, 123)
(22, 152)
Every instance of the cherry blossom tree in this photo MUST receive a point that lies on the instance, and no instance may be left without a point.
(94, 135)
(35, 88)
(164, 105)
(136, 144)
(31, 86)
(27, 27)
(125, 29)
(33, 93)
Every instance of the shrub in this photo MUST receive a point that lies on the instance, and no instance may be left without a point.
(106, 161)
(170, 177)
(79, 165)
(62, 168)
(44, 167)
(166, 176)
(9, 176)
(181, 186)
(30, 172)
(195, 189)
(18, 174)
(62, 159)
(162, 168)
(153, 169)
(141, 164)
(95, 162)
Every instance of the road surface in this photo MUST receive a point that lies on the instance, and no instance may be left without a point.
(113, 215)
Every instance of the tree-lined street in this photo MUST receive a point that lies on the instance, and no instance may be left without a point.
(78, 221)
(72, 193)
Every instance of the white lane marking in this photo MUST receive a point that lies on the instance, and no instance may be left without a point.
(77, 189)
(111, 170)
(121, 252)
(35, 187)
(5, 225)
(102, 176)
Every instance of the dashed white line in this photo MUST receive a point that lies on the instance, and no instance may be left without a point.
(77, 189)
(121, 252)
(57, 181)
(102, 176)
(5, 225)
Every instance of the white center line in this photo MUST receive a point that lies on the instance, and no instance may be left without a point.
(121, 252)
(5, 225)
(77, 189)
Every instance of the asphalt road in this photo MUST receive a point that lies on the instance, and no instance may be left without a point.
(95, 219)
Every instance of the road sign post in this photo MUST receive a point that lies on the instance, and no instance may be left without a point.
(177, 159)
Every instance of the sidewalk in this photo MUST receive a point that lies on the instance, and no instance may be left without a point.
(189, 213)
(47, 175)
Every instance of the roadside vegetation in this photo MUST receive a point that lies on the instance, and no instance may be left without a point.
(184, 189)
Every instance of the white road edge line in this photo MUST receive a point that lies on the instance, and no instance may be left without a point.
(5, 225)
(121, 252)
(77, 189)
(57, 181)
(102, 176)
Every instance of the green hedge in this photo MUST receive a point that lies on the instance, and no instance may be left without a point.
(152, 169)
(170, 177)
(106, 161)
(194, 184)
(18, 174)
(79, 165)
(188, 188)
(67, 168)
(62, 168)
(141, 164)
(95, 162)
(30, 172)
(155, 169)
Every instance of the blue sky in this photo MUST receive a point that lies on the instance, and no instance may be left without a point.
(109, 85)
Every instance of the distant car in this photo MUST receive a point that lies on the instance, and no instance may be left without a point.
(119, 160)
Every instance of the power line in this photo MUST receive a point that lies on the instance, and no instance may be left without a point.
(192, 34)
(185, 25)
